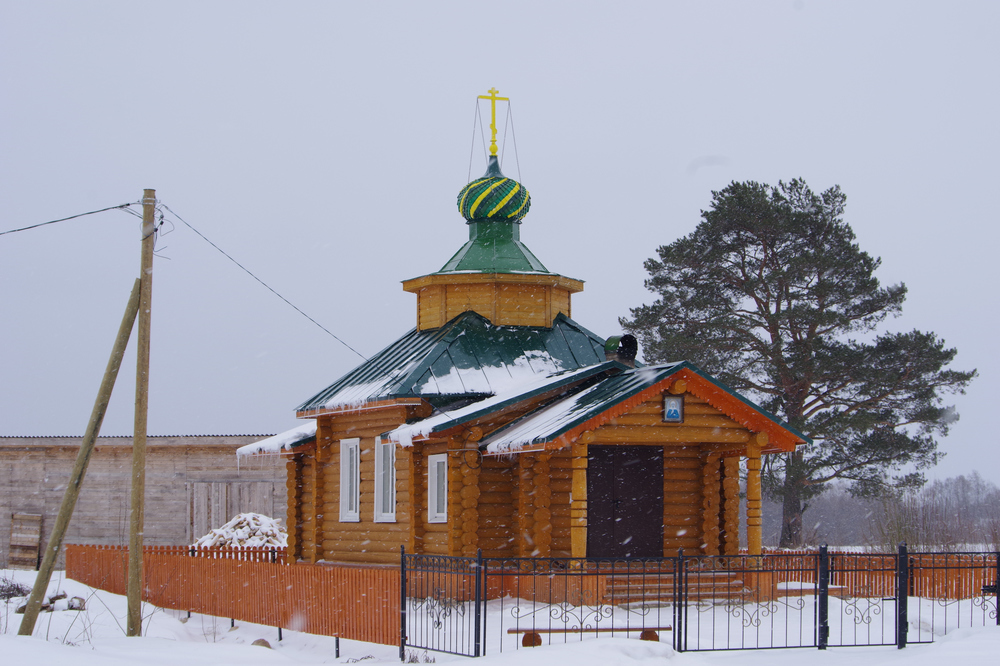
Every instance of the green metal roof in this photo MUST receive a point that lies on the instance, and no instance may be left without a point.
(466, 358)
(494, 247)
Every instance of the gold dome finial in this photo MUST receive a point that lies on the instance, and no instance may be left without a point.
(493, 116)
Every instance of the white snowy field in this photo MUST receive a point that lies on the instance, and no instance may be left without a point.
(95, 637)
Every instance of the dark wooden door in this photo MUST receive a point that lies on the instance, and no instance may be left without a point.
(625, 501)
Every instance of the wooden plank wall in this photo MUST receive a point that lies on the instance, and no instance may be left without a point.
(503, 304)
(34, 472)
(353, 602)
(25, 541)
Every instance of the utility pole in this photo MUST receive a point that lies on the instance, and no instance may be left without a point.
(54, 544)
(134, 590)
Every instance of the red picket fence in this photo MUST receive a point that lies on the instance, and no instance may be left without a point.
(358, 602)
(932, 575)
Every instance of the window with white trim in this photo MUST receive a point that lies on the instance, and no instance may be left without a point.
(350, 479)
(385, 481)
(437, 488)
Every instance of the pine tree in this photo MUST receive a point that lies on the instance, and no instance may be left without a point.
(771, 294)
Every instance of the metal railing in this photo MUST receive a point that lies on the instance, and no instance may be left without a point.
(471, 606)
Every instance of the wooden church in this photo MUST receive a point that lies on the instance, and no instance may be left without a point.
(500, 424)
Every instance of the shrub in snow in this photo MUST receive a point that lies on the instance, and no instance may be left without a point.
(10, 589)
(247, 530)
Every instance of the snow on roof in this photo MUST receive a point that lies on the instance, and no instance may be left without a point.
(545, 420)
(354, 395)
(556, 418)
(281, 442)
(493, 379)
(530, 383)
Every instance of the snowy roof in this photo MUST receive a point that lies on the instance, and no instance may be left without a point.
(557, 418)
(443, 420)
(467, 357)
(554, 419)
(284, 441)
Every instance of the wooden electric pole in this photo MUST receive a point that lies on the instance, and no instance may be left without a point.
(72, 492)
(134, 590)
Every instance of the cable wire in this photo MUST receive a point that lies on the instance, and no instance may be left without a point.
(71, 217)
(268, 287)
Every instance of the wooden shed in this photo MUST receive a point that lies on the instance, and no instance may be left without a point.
(498, 423)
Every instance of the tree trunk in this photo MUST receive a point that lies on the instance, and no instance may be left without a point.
(791, 502)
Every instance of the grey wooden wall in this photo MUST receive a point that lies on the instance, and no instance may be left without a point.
(193, 483)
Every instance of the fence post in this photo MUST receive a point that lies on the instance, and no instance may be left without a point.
(679, 602)
(996, 585)
(479, 600)
(823, 599)
(402, 603)
(902, 597)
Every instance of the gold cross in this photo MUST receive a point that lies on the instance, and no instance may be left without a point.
(493, 116)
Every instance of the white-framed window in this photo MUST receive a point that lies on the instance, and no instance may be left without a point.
(350, 480)
(437, 488)
(385, 481)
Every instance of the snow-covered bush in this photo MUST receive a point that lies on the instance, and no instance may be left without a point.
(247, 530)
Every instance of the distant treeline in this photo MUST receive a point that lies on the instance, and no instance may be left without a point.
(959, 513)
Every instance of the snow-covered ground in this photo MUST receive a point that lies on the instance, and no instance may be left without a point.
(95, 637)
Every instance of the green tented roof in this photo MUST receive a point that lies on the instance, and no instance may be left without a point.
(494, 247)
(466, 358)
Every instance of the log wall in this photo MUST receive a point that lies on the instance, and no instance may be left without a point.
(329, 539)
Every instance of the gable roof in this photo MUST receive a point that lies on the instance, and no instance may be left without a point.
(466, 358)
(595, 404)
(564, 382)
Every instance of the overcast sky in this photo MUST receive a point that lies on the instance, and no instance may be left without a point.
(322, 146)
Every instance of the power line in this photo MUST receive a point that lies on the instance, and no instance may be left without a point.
(71, 217)
(247, 271)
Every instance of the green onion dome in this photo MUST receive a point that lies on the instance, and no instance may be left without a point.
(494, 197)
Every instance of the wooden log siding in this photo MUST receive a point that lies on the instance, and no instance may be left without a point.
(542, 502)
(470, 464)
(682, 500)
(323, 536)
(525, 505)
(711, 527)
(561, 486)
(352, 602)
(730, 506)
(496, 508)
(294, 509)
